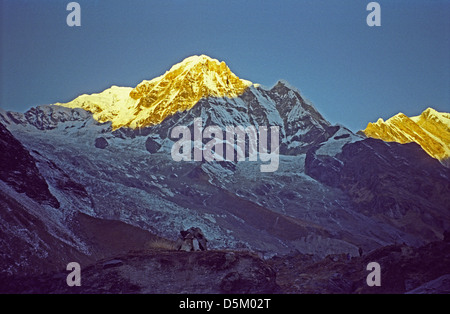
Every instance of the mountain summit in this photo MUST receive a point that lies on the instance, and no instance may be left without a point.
(150, 102)
(431, 130)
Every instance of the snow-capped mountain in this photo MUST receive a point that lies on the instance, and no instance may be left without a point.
(151, 102)
(109, 158)
(431, 130)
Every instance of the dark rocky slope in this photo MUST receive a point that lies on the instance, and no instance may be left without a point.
(18, 169)
(160, 271)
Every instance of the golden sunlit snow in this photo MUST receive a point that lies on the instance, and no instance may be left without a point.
(431, 130)
(179, 89)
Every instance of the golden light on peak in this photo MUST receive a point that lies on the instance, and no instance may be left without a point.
(431, 130)
(150, 102)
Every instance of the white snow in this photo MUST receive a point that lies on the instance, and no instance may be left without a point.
(333, 146)
(273, 115)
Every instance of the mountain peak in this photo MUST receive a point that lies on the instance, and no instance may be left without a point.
(203, 63)
(195, 59)
(432, 114)
(199, 75)
(150, 102)
(431, 130)
(429, 110)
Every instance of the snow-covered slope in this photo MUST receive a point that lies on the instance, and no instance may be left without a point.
(431, 130)
(113, 104)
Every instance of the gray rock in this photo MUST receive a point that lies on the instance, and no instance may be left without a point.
(101, 143)
(112, 263)
(152, 146)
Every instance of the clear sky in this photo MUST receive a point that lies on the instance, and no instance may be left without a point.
(353, 73)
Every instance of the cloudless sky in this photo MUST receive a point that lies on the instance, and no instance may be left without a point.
(353, 73)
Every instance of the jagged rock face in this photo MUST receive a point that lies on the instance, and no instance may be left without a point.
(18, 169)
(49, 117)
(300, 124)
(431, 130)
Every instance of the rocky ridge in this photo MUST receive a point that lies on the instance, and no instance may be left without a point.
(431, 130)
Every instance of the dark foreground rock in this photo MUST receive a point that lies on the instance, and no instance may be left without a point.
(160, 272)
(440, 285)
(404, 269)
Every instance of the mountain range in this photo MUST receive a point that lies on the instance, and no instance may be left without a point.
(431, 130)
(92, 179)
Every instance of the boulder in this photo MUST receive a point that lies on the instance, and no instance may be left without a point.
(101, 143)
(152, 146)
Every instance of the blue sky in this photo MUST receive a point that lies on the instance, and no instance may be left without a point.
(353, 73)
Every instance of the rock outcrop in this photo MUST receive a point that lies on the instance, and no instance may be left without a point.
(18, 169)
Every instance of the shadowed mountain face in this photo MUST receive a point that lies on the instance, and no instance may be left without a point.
(75, 189)
(18, 169)
(301, 125)
(396, 183)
